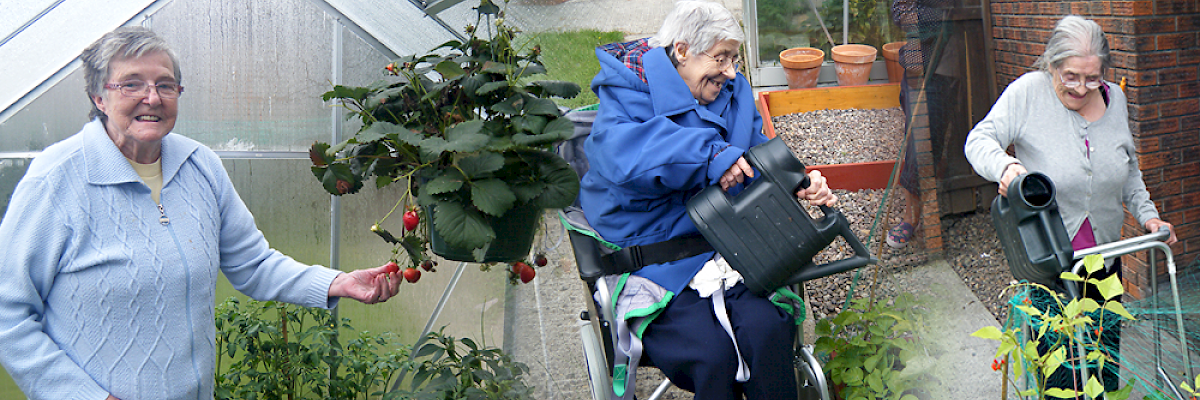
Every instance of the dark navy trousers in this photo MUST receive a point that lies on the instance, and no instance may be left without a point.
(692, 349)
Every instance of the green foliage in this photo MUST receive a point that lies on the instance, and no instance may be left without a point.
(464, 129)
(1079, 324)
(571, 56)
(870, 23)
(278, 351)
(446, 368)
(869, 344)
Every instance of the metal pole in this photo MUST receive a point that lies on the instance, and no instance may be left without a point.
(335, 203)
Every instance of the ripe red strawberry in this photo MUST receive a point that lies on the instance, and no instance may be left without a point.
(541, 260)
(519, 266)
(411, 219)
(527, 274)
(391, 267)
(427, 265)
(412, 275)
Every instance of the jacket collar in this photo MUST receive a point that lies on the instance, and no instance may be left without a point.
(105, 165)
(671, 95)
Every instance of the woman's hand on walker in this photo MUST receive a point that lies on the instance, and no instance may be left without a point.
(1154, 224)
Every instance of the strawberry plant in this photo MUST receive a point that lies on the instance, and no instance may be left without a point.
(465, 133)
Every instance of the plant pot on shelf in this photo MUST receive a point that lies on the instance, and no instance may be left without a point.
(801, 66)
(515, 231)
(853, 63)
(891, 58)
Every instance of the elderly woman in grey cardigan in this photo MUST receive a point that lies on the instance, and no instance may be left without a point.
(1065, 121)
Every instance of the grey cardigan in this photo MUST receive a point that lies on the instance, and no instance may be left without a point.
(1049, 138)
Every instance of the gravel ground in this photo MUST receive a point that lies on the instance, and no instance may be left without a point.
(852, 136)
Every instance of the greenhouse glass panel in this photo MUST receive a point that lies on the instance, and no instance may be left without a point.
(777, 25)
(57, 114)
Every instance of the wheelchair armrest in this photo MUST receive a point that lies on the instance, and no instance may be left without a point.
(587, 257)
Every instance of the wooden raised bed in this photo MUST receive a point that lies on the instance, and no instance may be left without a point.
(853, 176)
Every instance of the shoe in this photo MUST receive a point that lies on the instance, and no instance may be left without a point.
(899, 235)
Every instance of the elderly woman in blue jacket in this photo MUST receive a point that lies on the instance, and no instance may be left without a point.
(675, 117)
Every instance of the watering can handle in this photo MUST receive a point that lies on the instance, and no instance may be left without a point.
(861, 257)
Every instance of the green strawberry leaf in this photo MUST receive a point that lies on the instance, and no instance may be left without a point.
(563, 89)
(483, 163)
(462, 227)
(492, 196)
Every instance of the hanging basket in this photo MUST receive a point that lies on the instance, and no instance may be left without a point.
(515, 231)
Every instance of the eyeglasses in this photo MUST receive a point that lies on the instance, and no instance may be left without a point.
(724, 61)
(141, 89)
(1074, 82)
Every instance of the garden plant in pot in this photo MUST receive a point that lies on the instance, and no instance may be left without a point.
(470, 138)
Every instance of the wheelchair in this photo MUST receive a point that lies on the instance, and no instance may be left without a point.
(596, 325)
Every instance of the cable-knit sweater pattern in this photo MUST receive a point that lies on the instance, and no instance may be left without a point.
(105, 292)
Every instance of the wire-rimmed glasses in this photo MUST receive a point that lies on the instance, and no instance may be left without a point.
(140, 89)
(1074, 82)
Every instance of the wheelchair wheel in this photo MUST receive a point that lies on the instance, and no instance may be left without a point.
(597, 365)
(809, 376)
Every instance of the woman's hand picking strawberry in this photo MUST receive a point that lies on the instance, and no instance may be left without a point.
(370, 285)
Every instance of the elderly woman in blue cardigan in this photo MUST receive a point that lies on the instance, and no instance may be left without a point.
(1065, 121)
(675, 117)
(113, 241)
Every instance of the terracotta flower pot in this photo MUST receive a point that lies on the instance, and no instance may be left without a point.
(801, 66)
(891, 57)
(853, 63)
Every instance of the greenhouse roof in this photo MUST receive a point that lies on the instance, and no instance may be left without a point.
(43, 38)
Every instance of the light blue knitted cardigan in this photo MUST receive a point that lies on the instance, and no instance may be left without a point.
(102, 291)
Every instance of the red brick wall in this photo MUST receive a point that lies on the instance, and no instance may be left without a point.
(1155, 47)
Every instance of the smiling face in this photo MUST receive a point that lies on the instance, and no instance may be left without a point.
(1082, 69)
(702, 73)
(138, 124)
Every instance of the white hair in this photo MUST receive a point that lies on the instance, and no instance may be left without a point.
(699, 24)
(126, 42)
(1074, 36)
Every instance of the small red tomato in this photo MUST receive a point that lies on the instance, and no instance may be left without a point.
(527, 274)
(412, 275)
(391, 267)
(411, 219)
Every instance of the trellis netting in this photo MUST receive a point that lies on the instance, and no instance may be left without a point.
(1150, 345)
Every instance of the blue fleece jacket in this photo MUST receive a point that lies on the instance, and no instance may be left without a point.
(653, 147)
(103, 291)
